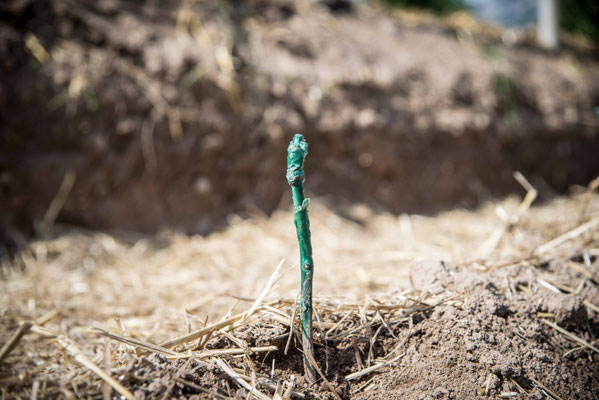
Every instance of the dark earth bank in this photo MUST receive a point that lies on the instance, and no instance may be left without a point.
(175, 115)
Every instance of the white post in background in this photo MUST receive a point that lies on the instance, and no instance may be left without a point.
(547, 24)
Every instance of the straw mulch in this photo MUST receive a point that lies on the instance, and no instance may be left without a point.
(512, 311)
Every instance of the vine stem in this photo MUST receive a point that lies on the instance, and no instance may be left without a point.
(296, 155)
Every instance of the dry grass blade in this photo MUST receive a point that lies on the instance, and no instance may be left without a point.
(364, 386)
(286, 320)
(137, 343)
(373, 368)
(36, 48)
(34, 389)
(566, 288)
(570, 335)
(46, 317)
(566, 236)
(588, 196)
(531, 193)
(591, 306)
(278, 395)
(14, 339)
(107, 361)
(222, 352)
(82, 359)
(204, 331)
(337, 324)
(266, 289)
(566, 354)
(547, 390)
(401, 344)
(548, 286)
(291, 327)
(44, 332)
(237, 378)
(488, 383)
(581, 269)
(61, 197)
(289, 391)
(354, 343)
(200, 389)
(272, 386)
(324, 378)
(493, 241)
(208, 330)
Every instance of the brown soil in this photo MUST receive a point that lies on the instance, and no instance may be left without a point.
(482, 348)
(178, 116)
(466, 328)
(490, 344)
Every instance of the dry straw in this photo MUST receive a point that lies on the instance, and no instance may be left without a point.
(94, 277)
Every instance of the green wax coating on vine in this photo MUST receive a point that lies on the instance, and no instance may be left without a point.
(296, 155)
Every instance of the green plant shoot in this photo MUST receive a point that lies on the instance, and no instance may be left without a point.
(296, 155)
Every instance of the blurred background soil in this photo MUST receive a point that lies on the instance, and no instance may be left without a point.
(177, 115)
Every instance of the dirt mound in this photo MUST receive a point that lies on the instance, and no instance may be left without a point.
(489, 341)
(177, 116)
(488, 345)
